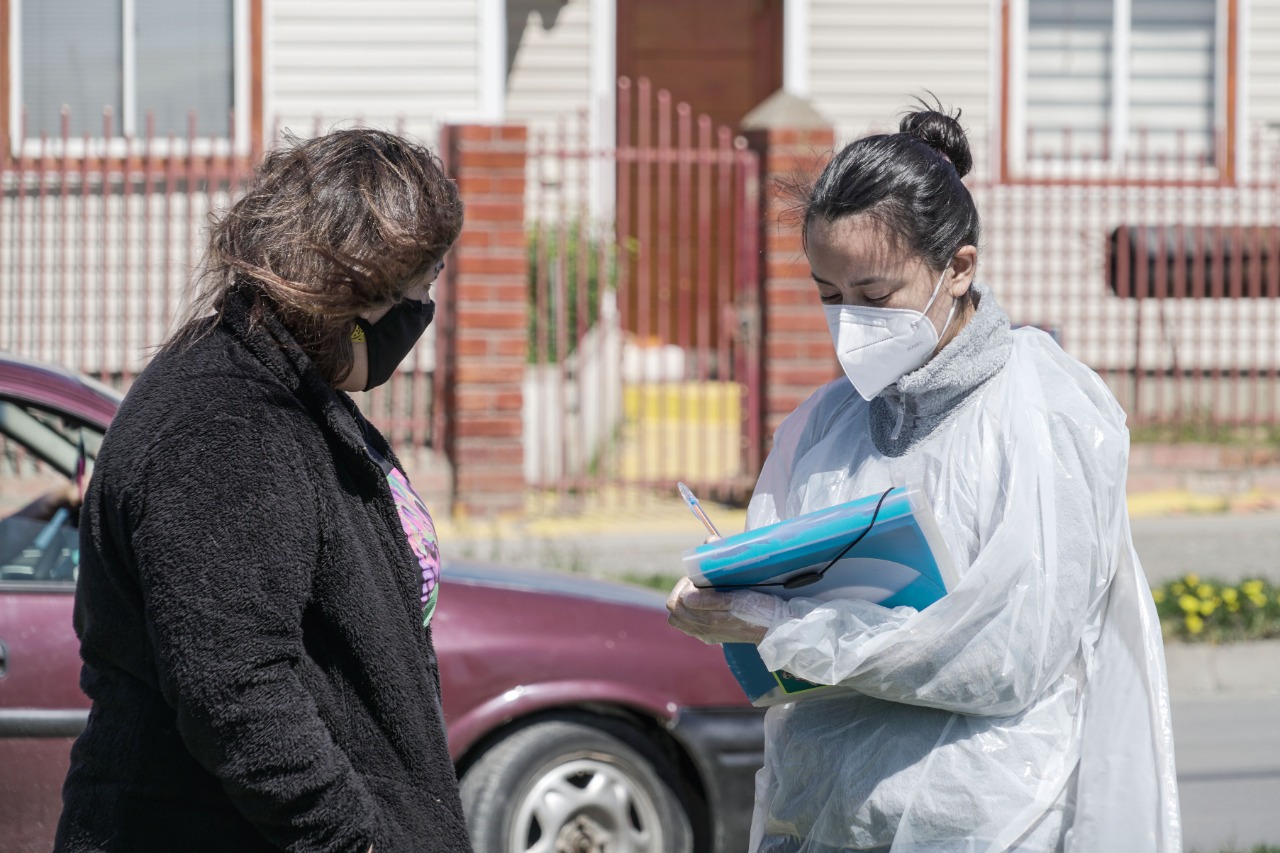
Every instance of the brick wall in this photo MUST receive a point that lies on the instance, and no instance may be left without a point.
(798, 355)
(483, 337)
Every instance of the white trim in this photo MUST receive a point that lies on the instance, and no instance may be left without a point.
(1242, 128)
(1219, 67)
(1121, 24)
(1017, 131)
(269, 119)
(127, 122)
(240, 73)
(995, 70)
(603, 102)
(491, 27)
(795, 47)
(15, 76)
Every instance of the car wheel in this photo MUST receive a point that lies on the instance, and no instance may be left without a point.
(567, 787)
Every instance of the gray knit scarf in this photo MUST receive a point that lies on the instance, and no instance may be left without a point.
(920, 402)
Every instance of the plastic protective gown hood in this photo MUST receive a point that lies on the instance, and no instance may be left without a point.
(1028, 710)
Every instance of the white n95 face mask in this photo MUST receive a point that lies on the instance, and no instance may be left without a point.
(879, 346)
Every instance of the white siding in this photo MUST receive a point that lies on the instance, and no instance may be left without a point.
(1262, 61)
(867, 60)
(549, 49)
(376, 61)
(549, 88)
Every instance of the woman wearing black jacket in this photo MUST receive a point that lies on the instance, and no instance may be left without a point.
(257, 576)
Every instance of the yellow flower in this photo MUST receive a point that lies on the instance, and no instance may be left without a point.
(1251, 588)
(1258, 600)
(1194, 623)
(1204, 590)
(1230, 595)
(1192, 579)
(1179, 589)
(1158, 595)
(1233, 606)
(1189, 603)
(1207, 607)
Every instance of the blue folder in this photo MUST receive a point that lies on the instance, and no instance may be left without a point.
(884, 548)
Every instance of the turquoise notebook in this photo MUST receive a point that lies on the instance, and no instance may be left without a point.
(884, 548)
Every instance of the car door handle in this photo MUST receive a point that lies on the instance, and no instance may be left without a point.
(4, 659)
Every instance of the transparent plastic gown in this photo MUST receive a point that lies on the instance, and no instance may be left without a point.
(1028, 710)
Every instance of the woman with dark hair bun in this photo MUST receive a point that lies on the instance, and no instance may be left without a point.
(257, 575)
(1028, 708)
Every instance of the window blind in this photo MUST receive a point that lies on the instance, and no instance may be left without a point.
(1172, 75)
(1166, 73)
(1069, 75)
(72, 54)
(185, 61)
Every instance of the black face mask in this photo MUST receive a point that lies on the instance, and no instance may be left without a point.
(389, 340)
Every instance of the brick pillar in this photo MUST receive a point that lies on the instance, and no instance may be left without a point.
(485, 329)
(793, 141)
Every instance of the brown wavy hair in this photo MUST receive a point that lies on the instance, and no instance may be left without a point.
(330, 227)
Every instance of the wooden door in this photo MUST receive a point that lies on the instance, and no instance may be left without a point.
(722, 57)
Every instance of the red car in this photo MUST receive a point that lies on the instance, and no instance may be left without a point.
(578, 720)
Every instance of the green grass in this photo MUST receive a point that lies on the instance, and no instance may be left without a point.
(660, 582)
(1200, 430)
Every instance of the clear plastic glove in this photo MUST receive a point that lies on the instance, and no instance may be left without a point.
(738, 616)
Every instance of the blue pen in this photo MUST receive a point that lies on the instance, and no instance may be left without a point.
(696, 509)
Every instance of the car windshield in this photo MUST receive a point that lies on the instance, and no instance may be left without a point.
(45, 457)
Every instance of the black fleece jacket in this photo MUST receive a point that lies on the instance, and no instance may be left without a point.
(250, 621)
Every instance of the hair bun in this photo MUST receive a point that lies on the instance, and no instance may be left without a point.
(941, 132)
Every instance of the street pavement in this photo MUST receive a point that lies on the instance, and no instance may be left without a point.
(1228, 755)
(1228, 546)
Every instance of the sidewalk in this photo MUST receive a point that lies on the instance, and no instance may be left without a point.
(1175, 531)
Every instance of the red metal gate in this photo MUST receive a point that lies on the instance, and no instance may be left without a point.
(644, 286)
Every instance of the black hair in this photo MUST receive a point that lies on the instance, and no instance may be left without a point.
(909, 181)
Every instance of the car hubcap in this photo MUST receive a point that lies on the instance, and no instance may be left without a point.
(586, 806)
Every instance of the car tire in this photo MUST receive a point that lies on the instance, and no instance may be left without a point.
(569, 786)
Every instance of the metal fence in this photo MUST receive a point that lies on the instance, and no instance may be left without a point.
(1162, 273)
(100, 238)
(643, 257)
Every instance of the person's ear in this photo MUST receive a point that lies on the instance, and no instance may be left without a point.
(358, 376)
(964, 267)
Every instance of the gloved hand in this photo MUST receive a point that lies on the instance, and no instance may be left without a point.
(736, 616)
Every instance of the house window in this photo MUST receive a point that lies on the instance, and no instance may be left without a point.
(162, 59)
(1120, 82)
